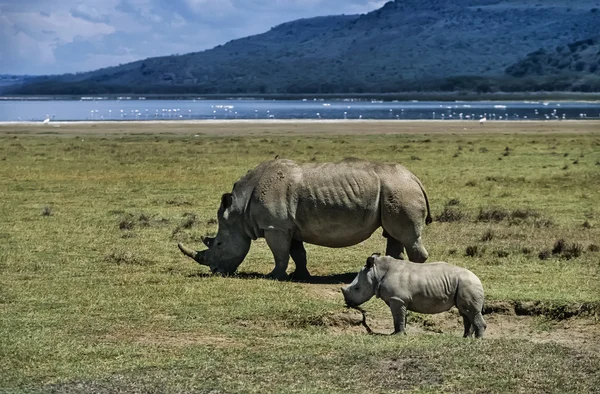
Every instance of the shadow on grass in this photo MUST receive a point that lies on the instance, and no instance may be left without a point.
(345, 278)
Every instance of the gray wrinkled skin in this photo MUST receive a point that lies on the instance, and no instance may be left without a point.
(424, 288)
(327, 204)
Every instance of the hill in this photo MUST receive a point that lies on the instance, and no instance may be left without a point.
(405, 45)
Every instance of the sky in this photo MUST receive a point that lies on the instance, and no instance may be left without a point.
(60, 36)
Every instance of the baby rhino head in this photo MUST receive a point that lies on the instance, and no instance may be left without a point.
(363, 286)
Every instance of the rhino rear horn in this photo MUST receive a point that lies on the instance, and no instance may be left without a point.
(198, 256)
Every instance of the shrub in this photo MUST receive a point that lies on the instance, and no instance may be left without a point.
(559, 246)
(566, 250)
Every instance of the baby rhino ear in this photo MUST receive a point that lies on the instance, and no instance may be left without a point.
(371, 260)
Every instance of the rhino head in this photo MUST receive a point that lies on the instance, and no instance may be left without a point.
(228, 249)
(363, 287)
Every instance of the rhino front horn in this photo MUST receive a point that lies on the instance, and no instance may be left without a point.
(198, 256)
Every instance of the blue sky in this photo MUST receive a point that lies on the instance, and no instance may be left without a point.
(58, 36)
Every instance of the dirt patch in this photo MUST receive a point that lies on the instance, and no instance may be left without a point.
(582, 333)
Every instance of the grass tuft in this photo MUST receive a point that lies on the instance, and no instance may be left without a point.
(492, 215)
(474, 251)
(487, 236)
(502, 253)
(526, 250)
(123, 257)
(451, 214)
(545, 254)
(566, 250)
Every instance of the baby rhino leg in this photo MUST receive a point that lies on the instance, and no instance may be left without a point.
(398, 309)
(469, 302)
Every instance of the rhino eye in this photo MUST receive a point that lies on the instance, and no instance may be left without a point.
(357, 288)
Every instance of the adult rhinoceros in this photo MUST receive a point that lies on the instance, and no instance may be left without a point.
(327, 204)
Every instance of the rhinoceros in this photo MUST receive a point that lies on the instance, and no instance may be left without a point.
(327, 204)
(424, 288)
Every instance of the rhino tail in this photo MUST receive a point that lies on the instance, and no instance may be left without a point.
(428, 218)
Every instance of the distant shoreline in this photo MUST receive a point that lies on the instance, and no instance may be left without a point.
(402, 96)
(279, 127)
(284, 121)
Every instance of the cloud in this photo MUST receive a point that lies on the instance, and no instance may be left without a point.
(47, 36)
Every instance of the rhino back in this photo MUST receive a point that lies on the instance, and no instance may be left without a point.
(327, 204)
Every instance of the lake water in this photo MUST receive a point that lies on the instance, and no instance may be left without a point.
(136, 109)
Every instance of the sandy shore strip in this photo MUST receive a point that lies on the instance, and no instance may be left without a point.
(297, 127)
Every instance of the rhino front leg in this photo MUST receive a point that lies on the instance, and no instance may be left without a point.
(467, 325)
(279, 243)
(398, 309)
(298, 254)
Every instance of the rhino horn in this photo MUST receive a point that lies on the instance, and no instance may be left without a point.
(196, 255)
(208, 241)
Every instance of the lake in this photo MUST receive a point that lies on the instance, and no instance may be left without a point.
(98, 109)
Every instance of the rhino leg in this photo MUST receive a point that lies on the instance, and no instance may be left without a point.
(279, 243)
(398, 309)
(480, 325)
(416, 251)
(402, 232)
(298, 254)
(467, 325)
(394, 248)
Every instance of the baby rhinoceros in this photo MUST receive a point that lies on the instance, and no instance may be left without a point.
(423, 288)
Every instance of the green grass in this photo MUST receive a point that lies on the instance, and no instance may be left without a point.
(96, 297)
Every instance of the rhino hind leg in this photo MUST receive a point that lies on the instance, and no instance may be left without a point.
(416, 251)
(298, 254)
(402, 233)
(394, 248)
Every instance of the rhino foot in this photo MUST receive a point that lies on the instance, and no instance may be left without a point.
(300, 275)
(278, 275)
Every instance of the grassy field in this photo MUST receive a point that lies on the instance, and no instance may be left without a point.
(96, 297)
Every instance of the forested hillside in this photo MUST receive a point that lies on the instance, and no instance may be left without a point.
(407, 45)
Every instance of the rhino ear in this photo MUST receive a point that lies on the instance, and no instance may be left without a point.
(371, 260)
(226, 200)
